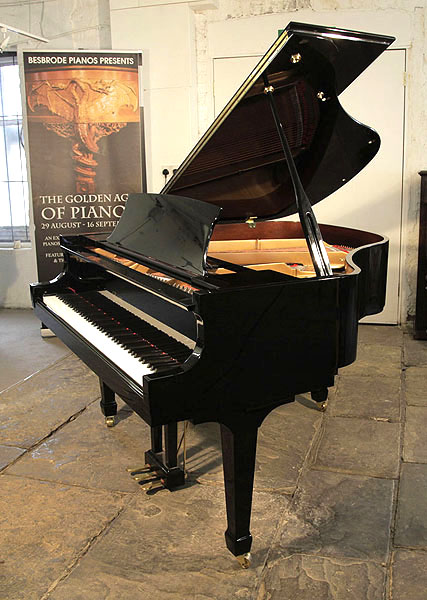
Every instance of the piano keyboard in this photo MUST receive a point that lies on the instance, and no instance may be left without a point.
(180, 337)
(131, 343)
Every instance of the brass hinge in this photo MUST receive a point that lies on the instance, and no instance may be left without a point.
(251, 222)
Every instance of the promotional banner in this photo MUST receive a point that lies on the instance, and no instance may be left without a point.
(85, 142)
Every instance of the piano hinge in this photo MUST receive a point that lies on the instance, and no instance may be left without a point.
(251, 222)
(405, 78)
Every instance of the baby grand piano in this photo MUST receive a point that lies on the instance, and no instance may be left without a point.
(202, 305)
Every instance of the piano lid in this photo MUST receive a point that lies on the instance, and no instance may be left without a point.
(239, 163)
(166, 229)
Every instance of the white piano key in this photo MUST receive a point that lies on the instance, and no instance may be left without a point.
(131, 365)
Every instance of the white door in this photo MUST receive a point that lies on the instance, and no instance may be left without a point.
(372, 200)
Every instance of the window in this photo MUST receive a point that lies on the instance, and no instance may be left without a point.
(14, 210)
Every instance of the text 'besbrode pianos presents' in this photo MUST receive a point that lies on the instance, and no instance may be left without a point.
(201, 305)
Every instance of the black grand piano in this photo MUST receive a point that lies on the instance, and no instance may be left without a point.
(202, 305)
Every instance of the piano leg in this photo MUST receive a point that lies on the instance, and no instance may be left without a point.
(239, 440)
(238, 452)
(108, 404)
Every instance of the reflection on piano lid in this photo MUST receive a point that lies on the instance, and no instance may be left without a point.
(239, 163)
(179, 307)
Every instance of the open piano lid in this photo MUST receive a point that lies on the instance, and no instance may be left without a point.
(239, 163)
(238, 170)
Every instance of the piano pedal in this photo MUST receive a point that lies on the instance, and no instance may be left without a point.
(139, 470)
(148, 482)
(141, 477)
(153, 487)
(110, 421)
(244, 560)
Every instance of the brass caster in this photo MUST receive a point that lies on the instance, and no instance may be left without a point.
(322, 405)
(110, 421)
(244, 560)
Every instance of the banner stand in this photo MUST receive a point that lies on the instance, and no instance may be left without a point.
(83, 120)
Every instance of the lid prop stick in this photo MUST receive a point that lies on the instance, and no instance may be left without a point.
(309, 224)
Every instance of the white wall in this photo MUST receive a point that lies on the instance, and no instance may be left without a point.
(67, 24)
(165, 34)
(18, 269)
(152, 24)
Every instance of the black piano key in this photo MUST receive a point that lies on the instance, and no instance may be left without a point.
(141, 339)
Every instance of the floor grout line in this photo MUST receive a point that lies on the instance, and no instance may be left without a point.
(75, 562)
(393, 521)
(71, 485)
(72, 417)
(54, 364)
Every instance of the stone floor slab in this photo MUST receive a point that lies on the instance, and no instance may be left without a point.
(416, 386)
(359, 446)
(21, 360)
(8, 454)
(336, 515)
(313, 577)
(171, 546)
(415, 446)
(88, 453)
(43, 528)
(32, 409)
(380, 334)
(411, 525)
(367, 397)
(283, 442)
(414, 351)
(375, 360)
(409, 575)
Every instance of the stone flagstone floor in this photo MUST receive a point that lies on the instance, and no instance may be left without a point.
(339, 503)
